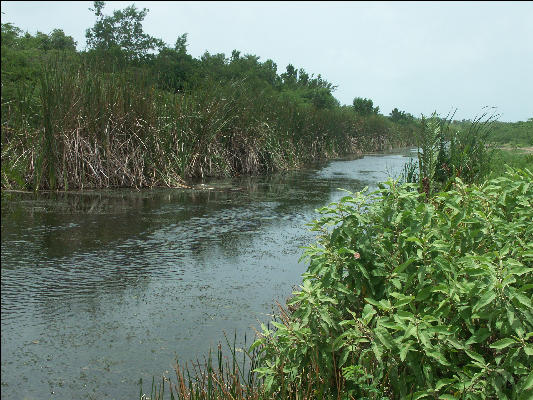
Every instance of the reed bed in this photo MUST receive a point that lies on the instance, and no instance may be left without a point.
(83, 126)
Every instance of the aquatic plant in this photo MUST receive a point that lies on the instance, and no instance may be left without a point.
(445, 152)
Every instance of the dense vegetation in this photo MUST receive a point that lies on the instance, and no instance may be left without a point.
(417, 298)
(501, 159)
(405, 296)
(133, 111)
(416, 290)
(514, 133)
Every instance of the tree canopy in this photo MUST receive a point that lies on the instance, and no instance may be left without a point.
(364, 106)
(122, 31)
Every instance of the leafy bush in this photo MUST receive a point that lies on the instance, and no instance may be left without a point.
(408, 297)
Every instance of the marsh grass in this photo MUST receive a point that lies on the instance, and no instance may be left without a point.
(86, 125)
(217, 376)
(445, 152)
(234, 373)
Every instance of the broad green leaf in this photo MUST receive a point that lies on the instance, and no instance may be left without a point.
(404, 350)
(503, 343)
(377, 351)
(524, 300)
(443, 382)
(438, 356)
(419, 395)
(528, 383)
(520, 270)
(475, 356)
(415, 240)
(484, 300)
(400, 268)
(404, 301)
(385, 338)
(405, 315)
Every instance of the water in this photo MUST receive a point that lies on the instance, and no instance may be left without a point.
(103, 288)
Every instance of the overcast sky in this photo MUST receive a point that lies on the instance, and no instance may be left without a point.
(419, 57)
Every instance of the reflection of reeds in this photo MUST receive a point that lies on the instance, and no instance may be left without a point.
(83, 127)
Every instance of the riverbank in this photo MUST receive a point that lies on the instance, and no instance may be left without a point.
(174, 138)
(382, 270)
(377, 313)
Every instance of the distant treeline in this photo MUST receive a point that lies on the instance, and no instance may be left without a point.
(514, 133)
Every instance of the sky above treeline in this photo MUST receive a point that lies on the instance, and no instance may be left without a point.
(417, 56)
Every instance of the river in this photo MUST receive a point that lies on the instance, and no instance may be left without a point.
(102, 288)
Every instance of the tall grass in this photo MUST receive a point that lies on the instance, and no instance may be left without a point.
(86, 126)
(230, 373)
(445, 153)
(217, 376)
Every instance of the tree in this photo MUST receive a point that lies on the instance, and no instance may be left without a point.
(181, 44)
(303, 77)
(56, 40)
(322, 98)
(10, 35)
(123, 31)
(364, 106)
(290, 77)
(174, 68)
(400, 116)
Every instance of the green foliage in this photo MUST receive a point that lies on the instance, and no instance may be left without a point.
(23, 54)
(132, 111)
(57, 40)
(174, 68)
(502, 159)
(445, 153)
(514, 133)
(400, 116)
(405, 298)
(121, 31)
(430, 147)
(364, 106)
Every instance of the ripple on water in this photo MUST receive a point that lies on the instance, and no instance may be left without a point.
(101, 289)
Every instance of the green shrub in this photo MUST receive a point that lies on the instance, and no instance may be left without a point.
(410, 298)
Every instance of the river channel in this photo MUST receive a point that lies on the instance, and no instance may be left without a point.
(102, 288)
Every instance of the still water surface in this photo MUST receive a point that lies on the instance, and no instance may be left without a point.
(103, 288)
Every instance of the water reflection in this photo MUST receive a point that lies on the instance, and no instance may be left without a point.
(101, 288)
